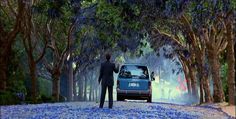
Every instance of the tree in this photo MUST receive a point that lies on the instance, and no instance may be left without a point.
(213, 19)
(231, 57)
(57, 64)
(31, 41)
(215, 43)
(174, 17)
(8, 33)
(199, 50)
(229, 22)
(60, 30)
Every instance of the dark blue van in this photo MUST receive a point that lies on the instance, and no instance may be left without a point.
(134, 82)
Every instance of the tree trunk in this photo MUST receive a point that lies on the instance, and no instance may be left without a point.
(96, 93)
(75, 85)
(201, 91)
(91, 90)
(93, 93)
(231, 65)
(204, 82)
(56, 85)
(188, 81)
(5, 53)
(85, 88)
(4, 58)
(74, 89)
(193, 83)
(192, 77)
(32, 66)
(206, 87)
(218, 95)
(187, 78)
(70, 82)
(80, 88)
(56, 88)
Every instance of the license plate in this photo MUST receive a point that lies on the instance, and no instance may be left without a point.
(133, 85)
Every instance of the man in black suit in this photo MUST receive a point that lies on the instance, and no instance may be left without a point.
(107, 80)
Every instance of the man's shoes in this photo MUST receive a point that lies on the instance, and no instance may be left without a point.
(110, 107)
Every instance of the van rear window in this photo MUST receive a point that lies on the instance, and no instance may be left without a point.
(134, 71)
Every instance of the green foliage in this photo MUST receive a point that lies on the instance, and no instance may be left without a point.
(39, 99)
(144, 47)
(120, 59)
(109, 13)
(45, 87)
(87, 3)
(44, 92)
(8, 98)
(16, 73)
(16, 86)
(116, 21)
(49, 99)
(233, 4)
(166, 25)
(59, 26)
(7, 18)
(15, 82)
(85, 31)
(109, 17)
(45, 99)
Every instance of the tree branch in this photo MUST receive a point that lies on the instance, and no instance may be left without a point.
(12, 34)
(47, 65)
(163, 34)
(190, 31)
(43, 52)
(66, 50)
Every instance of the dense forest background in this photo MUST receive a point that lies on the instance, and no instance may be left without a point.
(51, 50)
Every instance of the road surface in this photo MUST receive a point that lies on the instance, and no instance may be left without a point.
(121, 110)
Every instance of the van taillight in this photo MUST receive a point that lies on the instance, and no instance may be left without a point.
(149, 84)
(118, 83)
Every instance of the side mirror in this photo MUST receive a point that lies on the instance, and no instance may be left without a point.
(152, 76)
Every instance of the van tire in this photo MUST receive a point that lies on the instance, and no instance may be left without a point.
(119, 98)
(149, 100)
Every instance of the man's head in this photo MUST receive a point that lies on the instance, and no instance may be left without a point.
(108, 57)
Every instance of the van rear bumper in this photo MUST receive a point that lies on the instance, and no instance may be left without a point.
(141, 93)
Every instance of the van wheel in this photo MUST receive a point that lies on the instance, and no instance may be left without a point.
(149, 99)
(119, 98)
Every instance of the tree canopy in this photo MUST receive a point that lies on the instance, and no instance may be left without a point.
(65, 39)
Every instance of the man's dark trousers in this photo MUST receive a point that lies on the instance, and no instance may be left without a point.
(103, 94)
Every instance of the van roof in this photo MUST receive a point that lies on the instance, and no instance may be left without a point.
(139, 64)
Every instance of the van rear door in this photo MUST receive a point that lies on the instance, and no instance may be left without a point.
(133, 84)
(133, 77)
